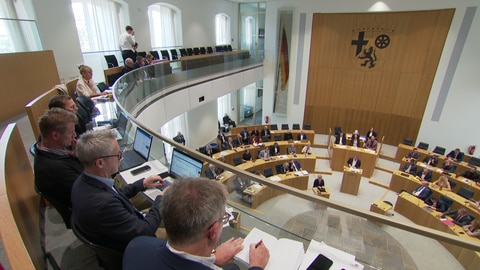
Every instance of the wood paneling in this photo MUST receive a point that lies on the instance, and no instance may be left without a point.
(391, 95)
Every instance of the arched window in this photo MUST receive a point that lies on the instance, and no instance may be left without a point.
(99, 23)
(165, 25)
(222, 29)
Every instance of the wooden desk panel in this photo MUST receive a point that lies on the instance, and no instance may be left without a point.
(307, 163)
(380, 207)
(340, 154)
(351, 181)
(403, 181)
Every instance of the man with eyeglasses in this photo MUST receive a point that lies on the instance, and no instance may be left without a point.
(194, 213)
(56, 165)
(103, 213)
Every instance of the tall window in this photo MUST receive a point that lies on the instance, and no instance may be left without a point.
(99, 23)
(18, 28)
(222, 29)
(165, 25)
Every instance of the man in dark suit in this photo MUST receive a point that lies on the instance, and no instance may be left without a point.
(425, 174)
(255, 132)
(288, 136)
(459, 217)
(213, 172)
(422, 192)
(456, 155)
(102, 212)
(194, 214)
(341, 138)
(431, 160)
(371, 133)
(238, 140)
(265, 131)
(222, 139)
(471, 174)
(228, 121)
(413, 154)
(274, 149)
(245, 136)
(294, 165)
(354, 162)
(179, 138)
(410, 167)
(436, 204)
(302, 136)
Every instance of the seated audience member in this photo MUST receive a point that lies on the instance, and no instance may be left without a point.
(354, 162)
(213, 172)
(471, 174)
(240, 185)
(56, 167)
(238, 141)
(255, 132)
(85, 84)
(285, 167)
(442, 183)
(431, 160)
(193, 234)
(264, 154)
(222, 139)
(307, 149)
(228, 121)
(274, 149)
(129, 66)
(302, 136)
(294, 165)
(246, 156)
(139, 63)
(425, 174)
(265, 131)
(66, 102)
(473, 229)
(355, 140)
(254, 140)
(207, 150)
(371, 133)
(229, 145)
(456, 155)
(179, 138)
(102, 212)
(410, 167)
(448, 167)
(371, 143)
(149, 59)
(341, 138)
(245, 135)
(288, 136)
(319, 183)
(413, 154)
(459, 216)
(436, 204)
(291, 149)
(423, 191)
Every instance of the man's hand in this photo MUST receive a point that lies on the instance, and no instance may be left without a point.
(227, 250)
(153, 181)
(259, 255)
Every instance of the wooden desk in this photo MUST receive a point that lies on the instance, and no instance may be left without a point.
(325, 194)
(380, 207)
(261, 194)
(307, 163)
(351, 180)
(203, 60)
(339, 155)
(412, 208)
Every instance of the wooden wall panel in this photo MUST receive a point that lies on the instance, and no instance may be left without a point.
(356, 81)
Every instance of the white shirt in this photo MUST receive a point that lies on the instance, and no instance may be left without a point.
(207, 261)
(126, 41)
(83, 89)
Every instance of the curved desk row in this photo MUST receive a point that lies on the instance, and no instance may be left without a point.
(412, 208)
(309, 133)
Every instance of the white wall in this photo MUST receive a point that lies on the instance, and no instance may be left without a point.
(457, 126)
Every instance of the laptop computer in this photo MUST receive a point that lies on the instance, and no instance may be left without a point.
(182, 165)
(140, 151)
(121, 127)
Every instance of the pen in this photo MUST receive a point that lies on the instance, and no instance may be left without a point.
(258, 244)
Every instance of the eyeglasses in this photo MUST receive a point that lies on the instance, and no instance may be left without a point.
(119, 156)
(225, 218)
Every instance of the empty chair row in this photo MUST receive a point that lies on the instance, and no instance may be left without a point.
(294, 127)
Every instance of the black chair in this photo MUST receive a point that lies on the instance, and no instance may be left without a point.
(448, 202)
(142, 54)
(474, 161)
(111, 60)
(209, 50)
(465, 193)
(165, 55)
(237, 161)
(183, 52)
(202, 50)
(107, 258)
(439, 150)
(174, 54)
(155, 55)
(337, 130)
(277, 137)
(87, 104)
(408, 142)
(285, 127)
(422, 145)
(273, 127)
(279, 168)
(225, 48)
(229, 48)
(196, 51)
(189, 51)
(64, 210)
(307, 127)
(296, 126)
(453, 184)
(219, 49)
(102, 86)
(268, 172)
(265, 138)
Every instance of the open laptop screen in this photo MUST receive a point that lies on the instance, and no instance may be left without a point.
(122, 124)
(142, 143)
(183, 165)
